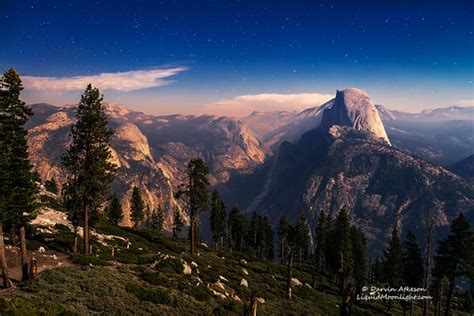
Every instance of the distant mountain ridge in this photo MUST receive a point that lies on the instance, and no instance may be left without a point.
(442, 136)
(151, 151)
(344, 165)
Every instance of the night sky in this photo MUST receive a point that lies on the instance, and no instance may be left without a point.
(198, 56)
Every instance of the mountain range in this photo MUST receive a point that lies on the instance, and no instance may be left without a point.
(382, 165)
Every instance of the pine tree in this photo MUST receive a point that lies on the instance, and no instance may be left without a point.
(283, 229)
(321, 239)
(393, 261)
(18, 187)
(157, 220)
(291, 246)
(51, 186)
(218, 219)
(413, 270)
(268, 249)
(342, 245)
(137, 207)
(238, 228)
(73, 206)
(114, 210)
(255, 241)
(377, 271)
(195, 194)
(302, 236)
(359, 252)
(455, 257)
(177, 223)
(88, 158)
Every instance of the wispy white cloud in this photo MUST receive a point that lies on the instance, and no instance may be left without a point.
(466, 102)
(119, 81)
(245, 104)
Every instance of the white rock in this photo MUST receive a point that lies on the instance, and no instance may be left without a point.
(187, 269)
(244, 283)
(242, 261)
(244, 271)
(296, 282)
(261, 300)
(41, 249)
(194, 264)
(204, 245)
(220, 285)
(222, 278)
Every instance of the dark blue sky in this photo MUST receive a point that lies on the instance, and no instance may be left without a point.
(406, 54)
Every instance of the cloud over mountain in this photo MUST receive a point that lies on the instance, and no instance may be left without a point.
(119, 81)
(245, 104)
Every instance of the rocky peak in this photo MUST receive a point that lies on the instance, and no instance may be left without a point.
(353, 108)
(130, 141)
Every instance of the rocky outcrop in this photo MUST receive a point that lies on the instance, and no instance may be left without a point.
(353, 108)
(150, 151)
(464, 168)
(379, 185)
(347, 161)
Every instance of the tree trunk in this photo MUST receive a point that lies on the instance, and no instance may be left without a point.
(193, 232)
(241, 244)
(449, 298)
(3, 260)
(253, 305)
(24, 255)
(74, 249)
(86, 230)
(222, 243)
(13, 238)
(428, 260)
(289, 274)
(282, 250)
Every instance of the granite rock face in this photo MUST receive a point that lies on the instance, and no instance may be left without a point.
(379, 185)
(150, 151)
(353, 108)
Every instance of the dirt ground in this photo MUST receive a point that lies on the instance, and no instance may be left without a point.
(44, 260)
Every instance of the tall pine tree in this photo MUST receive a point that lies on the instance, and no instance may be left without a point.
(455, 257)
(156, 220)
(359, 253)
(341, 253)
(17, 188)
(238, 224)
(268, 250)
(137, 207)
(195, 194)
(321, 242)
(392, 262)
(413, 270)
(177, 223)
(283, 229)
(114, 210)
(218, 219)
(88, 158)
(302, 236)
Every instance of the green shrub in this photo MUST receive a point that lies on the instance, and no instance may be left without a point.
(170, 265)
(156, 296)
(85, 260)
(201, 293)
(155, 278)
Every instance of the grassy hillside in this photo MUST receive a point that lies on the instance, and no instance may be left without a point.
(148, 278)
